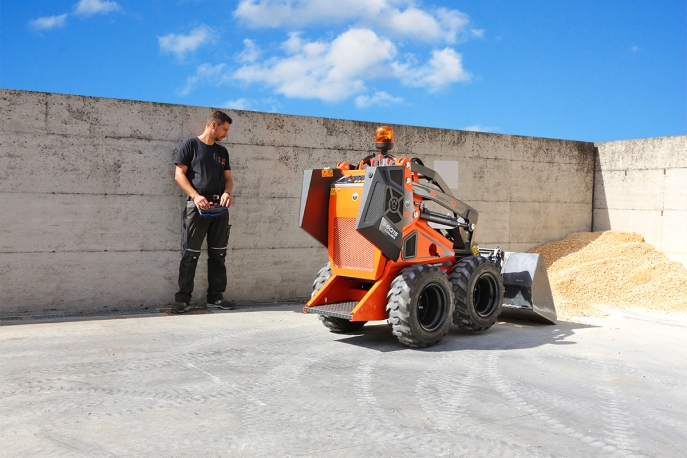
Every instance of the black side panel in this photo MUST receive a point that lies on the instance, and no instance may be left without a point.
(380, 218)
(315, 202)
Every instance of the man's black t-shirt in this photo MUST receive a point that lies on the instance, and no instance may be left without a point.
(206, 165)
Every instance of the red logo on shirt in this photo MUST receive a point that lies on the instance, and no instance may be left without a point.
(221, 160)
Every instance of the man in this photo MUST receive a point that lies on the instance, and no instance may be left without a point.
(203, 172)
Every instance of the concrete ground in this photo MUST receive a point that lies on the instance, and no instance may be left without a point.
(270, 381)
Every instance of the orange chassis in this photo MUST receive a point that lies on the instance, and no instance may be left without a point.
(360, 272)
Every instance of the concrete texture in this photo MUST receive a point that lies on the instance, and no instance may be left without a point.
(271, 381)
(91, 213)
(641, 186)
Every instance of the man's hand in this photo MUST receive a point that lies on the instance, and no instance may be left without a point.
(226, 200)
(201, 202)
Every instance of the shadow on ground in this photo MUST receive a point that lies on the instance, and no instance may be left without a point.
(505, 335)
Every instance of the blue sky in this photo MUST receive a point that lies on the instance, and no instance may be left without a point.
(581, 70)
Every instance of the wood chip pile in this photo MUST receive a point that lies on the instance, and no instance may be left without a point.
(589, 269)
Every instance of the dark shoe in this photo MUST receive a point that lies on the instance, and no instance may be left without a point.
(180, 307)
(222, 304)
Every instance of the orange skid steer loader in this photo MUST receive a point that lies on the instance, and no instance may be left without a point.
(391, 257)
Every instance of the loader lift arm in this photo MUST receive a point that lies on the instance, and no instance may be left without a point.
(462, 232)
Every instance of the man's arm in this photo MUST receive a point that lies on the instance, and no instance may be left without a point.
(226, 199)
(187, 187)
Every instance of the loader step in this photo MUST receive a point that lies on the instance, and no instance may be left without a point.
(336, 309)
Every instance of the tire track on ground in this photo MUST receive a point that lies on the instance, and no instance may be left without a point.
(614, 408)
(454, 381)
(504, 388)
(147, 362)
(614, 413)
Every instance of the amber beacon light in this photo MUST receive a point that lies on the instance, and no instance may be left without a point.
(384, 138)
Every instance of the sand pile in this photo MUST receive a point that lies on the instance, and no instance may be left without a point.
(588, 269)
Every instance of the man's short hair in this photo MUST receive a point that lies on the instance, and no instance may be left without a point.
(219, 117)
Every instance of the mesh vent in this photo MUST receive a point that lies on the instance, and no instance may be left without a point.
(351, 250)
(376, 206)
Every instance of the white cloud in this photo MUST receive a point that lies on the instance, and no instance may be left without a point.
(380, 98)
(444, 25)
(480, 128)
(321, 70)
(49, 22)
(298, 13)
(250, 53)
(206, 73)
(182, 44)
(445, 67)
(398, 17)
(90, 7)
(240, 104)
(267, 104)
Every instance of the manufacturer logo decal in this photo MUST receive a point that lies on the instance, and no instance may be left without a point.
(327, 173)
(354, 196)
(393, 204)
(388, 229)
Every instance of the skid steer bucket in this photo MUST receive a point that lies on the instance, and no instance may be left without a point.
(527, 290)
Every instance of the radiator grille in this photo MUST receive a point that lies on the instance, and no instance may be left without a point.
(351, 250)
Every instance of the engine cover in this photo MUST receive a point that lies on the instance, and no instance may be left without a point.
(380, 218)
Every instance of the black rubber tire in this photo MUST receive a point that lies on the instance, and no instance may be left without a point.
(420, 306)
(323, 275)
(478, 289)
(332, 323)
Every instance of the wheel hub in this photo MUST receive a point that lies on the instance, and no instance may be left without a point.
(432, 307)
(484, 295)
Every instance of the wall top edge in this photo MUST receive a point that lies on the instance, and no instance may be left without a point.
(4, 92)
(630, 140)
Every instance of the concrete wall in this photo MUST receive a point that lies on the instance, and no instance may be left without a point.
(91, 213)
(641, 186)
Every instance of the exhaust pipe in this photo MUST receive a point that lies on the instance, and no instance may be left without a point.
(527, 292)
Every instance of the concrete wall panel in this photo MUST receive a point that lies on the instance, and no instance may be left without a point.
(267, 224)
(646, 153)
(110, 118)
(82, 280)
(674, 232)
(81, 165)
(493, 227)
(555, 182)
(97, 174)
(675, 190)
(677, 257)
(96, 223)
(641, 186)
(632, 190)
(277, 274)
(648, 223)
(538, 222)
(23, 111)
(484, 180)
